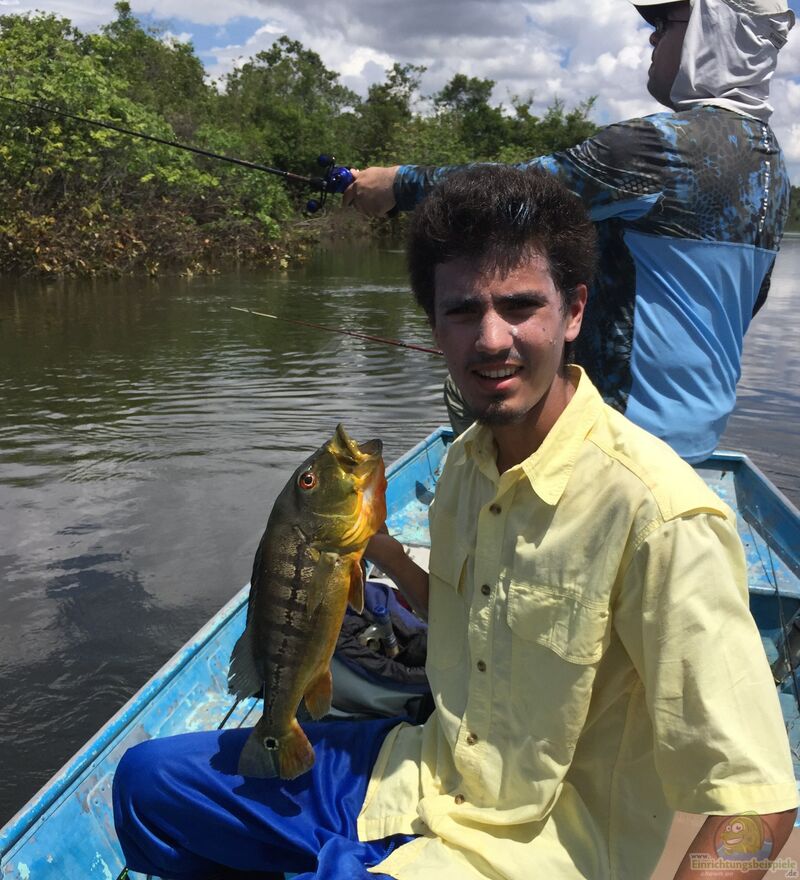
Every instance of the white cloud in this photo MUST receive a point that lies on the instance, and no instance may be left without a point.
(198, 11)
(169, 38)
(791, 144)
(793, 94)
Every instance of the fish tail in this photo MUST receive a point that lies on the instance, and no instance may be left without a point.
(295, 752)
(256, 759)
(266, 756)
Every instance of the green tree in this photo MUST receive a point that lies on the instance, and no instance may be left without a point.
(78, 198)
(380, 119)
(287, 105)
(74, 197)
(164, 76)
(530, 135)
(464, 103)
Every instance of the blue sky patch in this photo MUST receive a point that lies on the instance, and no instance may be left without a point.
(205, 37)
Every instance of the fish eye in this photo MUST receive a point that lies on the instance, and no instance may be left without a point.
(307, 480)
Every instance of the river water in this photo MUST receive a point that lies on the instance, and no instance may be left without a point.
(146, 428)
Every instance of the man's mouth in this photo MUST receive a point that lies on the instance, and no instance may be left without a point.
(497, 372)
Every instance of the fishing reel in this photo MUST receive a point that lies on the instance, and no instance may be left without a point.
(336, 179)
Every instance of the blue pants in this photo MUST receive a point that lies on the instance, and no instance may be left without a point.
(182, 811)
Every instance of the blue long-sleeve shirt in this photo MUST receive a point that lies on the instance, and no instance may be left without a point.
(690, 209)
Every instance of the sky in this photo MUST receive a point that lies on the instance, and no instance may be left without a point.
(567, 49)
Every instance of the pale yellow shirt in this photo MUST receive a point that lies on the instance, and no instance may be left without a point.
(593, 661)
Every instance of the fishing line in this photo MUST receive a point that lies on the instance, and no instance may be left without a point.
(229, 713)
(357, 335)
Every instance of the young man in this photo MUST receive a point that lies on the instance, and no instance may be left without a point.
(689, 206)
(592, 657)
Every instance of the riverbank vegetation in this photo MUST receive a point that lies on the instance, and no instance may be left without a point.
(77, 199)
(793, 223)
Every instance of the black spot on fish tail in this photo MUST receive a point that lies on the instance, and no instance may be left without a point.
(257, 760)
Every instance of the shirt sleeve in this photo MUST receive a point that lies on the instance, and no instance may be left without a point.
(616, 172)
(682, 613)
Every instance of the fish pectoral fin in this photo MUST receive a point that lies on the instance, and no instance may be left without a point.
(356, 595)
(318, 696)
(319, 584)
(243, 677)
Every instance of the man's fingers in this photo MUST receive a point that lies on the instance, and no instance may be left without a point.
(349, 195)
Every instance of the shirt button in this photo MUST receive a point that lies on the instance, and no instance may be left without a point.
(459, 799)
(486, 589)
(481, 666)
(471, 739)
(495, 508)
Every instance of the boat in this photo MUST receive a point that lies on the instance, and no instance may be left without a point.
(67, 830)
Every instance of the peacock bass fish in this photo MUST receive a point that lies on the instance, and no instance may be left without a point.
(306, 569)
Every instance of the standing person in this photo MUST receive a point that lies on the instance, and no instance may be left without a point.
(593, 661)
(689, 206)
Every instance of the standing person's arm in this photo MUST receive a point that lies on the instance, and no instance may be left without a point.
(372, 191)
(615, 172)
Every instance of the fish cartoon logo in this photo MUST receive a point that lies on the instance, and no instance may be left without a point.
(743, 837)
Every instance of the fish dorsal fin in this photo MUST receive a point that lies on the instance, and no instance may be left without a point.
(356, 594)
(325, 564)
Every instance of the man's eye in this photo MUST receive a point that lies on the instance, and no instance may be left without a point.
(522, 304)
(463, 309)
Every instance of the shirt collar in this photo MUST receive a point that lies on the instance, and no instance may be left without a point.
(549, 468)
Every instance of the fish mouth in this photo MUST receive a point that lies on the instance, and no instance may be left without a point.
(349, 452)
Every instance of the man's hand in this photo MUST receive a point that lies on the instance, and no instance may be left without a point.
(390, 556)
(372, 191)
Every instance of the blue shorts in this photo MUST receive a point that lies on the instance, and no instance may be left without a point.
(182, 811)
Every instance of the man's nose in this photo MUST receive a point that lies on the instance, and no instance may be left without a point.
(654, 38)
(494, 334)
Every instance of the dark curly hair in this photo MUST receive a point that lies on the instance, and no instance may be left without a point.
(495, 216)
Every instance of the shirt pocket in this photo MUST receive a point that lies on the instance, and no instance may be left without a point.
(557, 641)
(447, 605)
(575, 628)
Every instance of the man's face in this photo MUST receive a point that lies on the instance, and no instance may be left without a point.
(667, 43)
(503, 336)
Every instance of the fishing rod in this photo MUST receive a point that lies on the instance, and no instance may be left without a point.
(336, 178)
(366, 336)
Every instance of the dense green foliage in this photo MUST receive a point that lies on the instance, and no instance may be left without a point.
(75, 198)
(793, 223)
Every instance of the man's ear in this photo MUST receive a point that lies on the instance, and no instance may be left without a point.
(575, 312)
(432, 325)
